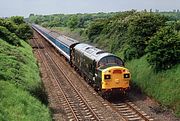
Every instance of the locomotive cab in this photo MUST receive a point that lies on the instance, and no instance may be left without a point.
(112, 74)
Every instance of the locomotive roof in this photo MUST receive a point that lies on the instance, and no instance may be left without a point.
(91, 51)
(63, 39)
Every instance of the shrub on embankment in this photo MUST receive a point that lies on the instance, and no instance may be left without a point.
(20, 84)
(162, 86)
(19, 66)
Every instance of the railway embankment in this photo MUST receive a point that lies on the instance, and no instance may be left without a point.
(20, 84)
(162, 86)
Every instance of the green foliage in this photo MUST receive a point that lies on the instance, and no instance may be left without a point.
(162, 86)
(19, 66)
(164, 49)
(24, 31)
(8, 24)
(130, 53)
(141, 28)
(17, 26)
(72, 22)
(177, 25)
(19, 75)
(172, 16)
(9, 37)
(18, 105)
(95, 29)
(17, 20)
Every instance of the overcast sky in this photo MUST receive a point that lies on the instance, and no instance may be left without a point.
(25, 7)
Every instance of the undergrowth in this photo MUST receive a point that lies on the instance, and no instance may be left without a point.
(162, 86)
(19, 105)
(20, 85)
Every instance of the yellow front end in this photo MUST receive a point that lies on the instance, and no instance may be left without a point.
(115, 77)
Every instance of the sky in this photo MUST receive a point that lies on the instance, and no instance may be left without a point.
(26, 7)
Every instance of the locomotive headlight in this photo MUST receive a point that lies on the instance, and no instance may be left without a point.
(107, 76)
(126, 75)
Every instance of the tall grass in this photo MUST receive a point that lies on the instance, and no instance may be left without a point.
(163, 86)
(19, 66)
(19, 105)
(20, 85)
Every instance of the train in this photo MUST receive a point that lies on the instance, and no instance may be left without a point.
(104, 71)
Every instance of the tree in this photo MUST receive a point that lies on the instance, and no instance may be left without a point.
(8, 24)
(73, 22)
(9, 37)
(17, 20)
(95, 29)
(141, 29)
(177, 25)
(32, 14)
(164, 49)
(24, 31)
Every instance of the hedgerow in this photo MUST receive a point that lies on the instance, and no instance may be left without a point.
(164, 49)
(9, 37)
(13, 29)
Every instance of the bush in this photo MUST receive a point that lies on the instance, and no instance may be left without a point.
(162, 86)
(95, 29)
(24, 31)
(17, 26)
(17, 20)
(130, 53)
(9, 37)
(9, 25)
(141, 27)
(164, 49)
(177, 25)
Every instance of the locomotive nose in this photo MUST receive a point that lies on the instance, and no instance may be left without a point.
(115, 78)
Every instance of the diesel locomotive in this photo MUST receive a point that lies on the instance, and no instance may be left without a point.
(104, 71)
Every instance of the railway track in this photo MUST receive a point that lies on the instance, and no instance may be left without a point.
(130, 111)
(55, 102)
(75, 106)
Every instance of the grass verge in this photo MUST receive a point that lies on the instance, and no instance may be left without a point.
(163, 86)
(19, 105)
(20, 85)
